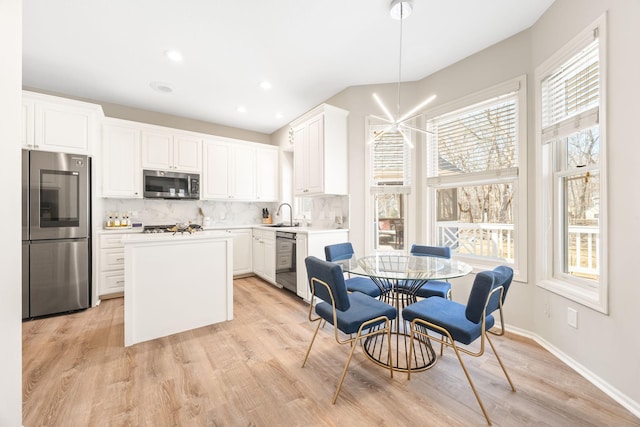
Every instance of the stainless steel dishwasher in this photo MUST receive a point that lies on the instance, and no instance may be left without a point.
(286, 260)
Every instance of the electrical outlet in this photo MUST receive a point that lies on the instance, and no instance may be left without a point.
(572, 317)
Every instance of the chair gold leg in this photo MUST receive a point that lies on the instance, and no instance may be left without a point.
(388, 324)
(473, 387)
(311, 344)
(344, 374)
(501, 364)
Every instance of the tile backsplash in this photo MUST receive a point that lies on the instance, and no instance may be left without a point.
(170, 212)
(324, 211)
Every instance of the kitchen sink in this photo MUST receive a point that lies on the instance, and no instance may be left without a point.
(281, 224)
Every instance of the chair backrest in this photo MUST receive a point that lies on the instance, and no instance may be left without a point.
(338, 251)
(484, 283)
(434, 251)
(503, 277)
(331, 274)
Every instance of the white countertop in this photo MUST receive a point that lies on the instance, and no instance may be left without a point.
(301, 230)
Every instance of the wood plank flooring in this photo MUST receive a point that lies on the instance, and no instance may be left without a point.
(247, 372)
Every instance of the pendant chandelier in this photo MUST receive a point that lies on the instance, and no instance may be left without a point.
(399, 9)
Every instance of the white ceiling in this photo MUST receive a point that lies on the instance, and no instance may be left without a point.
(111, 50)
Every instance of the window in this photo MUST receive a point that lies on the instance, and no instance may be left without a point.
(474, 169)
(390, 186)
(571, 153)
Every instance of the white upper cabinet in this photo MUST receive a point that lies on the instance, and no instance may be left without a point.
(121, 172)
(243, 172)
(267, 174)
(187, 153)
(165, 150)
(320, 152)
(58, 124)
(215, 176)
(239, 171)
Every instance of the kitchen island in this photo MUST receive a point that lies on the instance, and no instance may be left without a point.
(174, 283)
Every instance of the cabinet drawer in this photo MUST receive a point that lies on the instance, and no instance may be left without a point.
(111, 241)
(111, 282)
(111, 259)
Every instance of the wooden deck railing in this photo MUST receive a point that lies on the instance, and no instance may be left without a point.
(497, 241)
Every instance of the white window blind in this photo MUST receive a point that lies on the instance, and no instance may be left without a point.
(570, 94)
(479, 139)
(390, 163)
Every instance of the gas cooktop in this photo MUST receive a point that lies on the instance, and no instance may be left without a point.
(172, 228)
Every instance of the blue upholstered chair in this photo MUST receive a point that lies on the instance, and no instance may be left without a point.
(433, 288)
(350, 313)
(458, 323)
(342, 251)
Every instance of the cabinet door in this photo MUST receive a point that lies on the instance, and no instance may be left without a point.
(157, 150)
(61, 127)
(267, 175)
(243, 173)
(300, 161)
(121, 162)
(215, 171)
(242, 248)
(315, 155)
(187, 152)
(301, 270)
(269, 257)
(27, 126)
(258, 253)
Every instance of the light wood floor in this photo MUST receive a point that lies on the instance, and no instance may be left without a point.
(247, 372)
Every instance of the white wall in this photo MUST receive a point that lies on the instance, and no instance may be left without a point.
(604, 348)
(10, 262)
(608, 346)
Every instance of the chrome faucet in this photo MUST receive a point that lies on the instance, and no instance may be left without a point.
(290, 213)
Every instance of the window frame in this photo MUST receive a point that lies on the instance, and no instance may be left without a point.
(518, 85)
(549, 212)
(408, 190)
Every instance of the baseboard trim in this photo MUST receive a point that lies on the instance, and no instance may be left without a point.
(624, 400)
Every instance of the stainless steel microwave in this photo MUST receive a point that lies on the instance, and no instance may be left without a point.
(170, 185)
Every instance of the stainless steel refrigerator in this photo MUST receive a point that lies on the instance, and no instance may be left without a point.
(56, 239)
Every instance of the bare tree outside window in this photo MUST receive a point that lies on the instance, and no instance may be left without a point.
(476, 146)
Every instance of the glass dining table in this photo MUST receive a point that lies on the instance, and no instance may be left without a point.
(399, 276)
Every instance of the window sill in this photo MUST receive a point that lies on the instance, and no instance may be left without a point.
(590, 298)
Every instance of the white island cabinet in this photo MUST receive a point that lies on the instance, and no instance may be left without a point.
(175, 283)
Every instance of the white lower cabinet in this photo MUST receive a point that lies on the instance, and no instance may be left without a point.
(313, 245)
(264, 254)
(302, 282)
(110, 264)
(242, 249)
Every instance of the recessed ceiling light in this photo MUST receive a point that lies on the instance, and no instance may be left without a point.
(265, 85)
(279, 115)
(241, 109)
(173, 55)
(161, 87)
